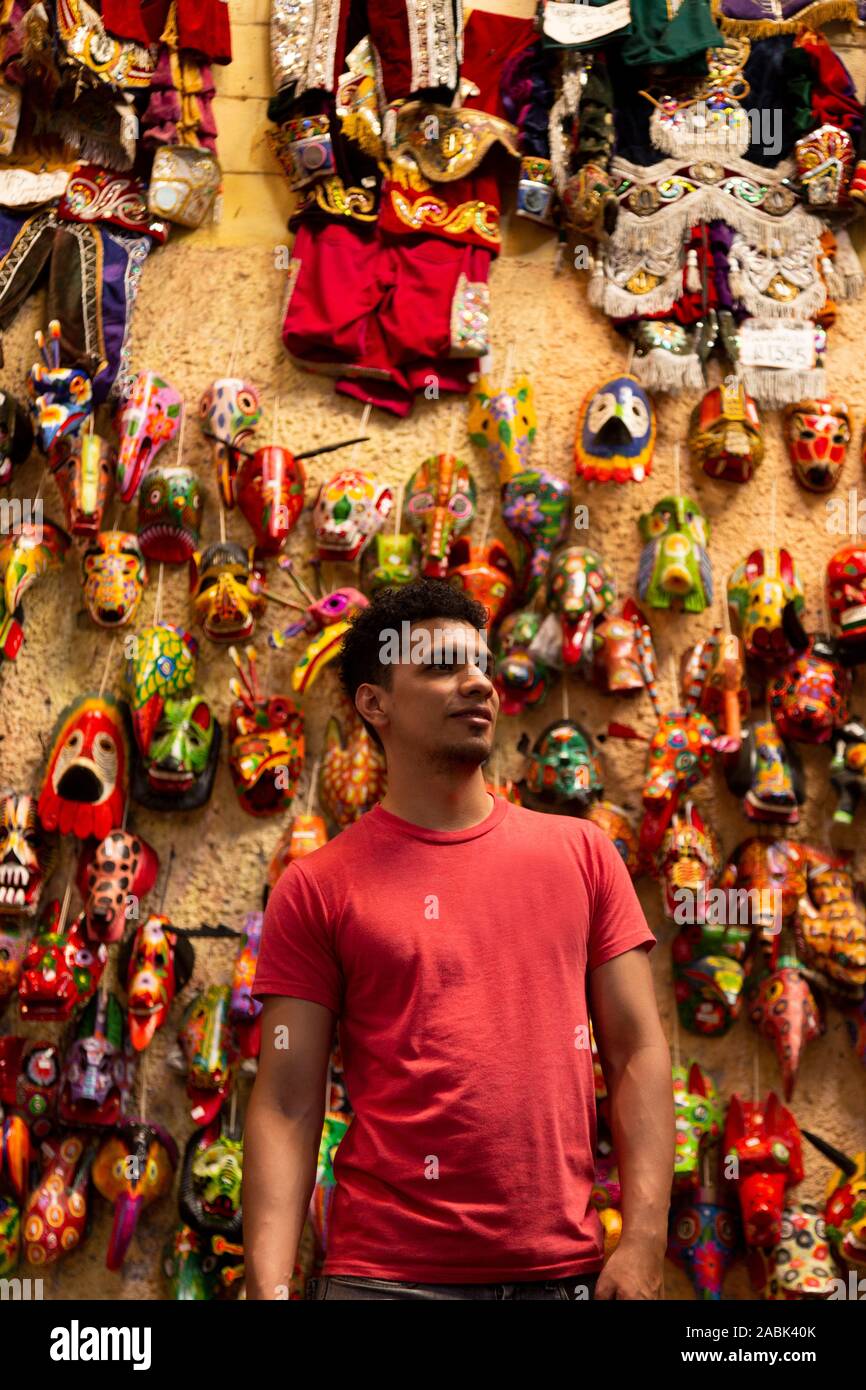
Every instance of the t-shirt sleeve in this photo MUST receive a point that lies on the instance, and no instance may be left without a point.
(297, 956)
(618, 923)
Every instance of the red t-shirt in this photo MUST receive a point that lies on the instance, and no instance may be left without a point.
(456, 961)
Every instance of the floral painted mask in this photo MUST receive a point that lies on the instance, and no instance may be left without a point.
(522, 679)
(674, 563)
(27, 855)
(504, 423)
(390, 562)
(162, 663)
(170, 506)
(83, 468)
(616, 433)
(440, 504)
(86, 783)
(222, 580)
(725, 434)
(817, 435)
(270, 494)
(536, 506)
(229, 411)
(179, 762)
(846, 600)
(148, 420)
(266, 743)
(485, 573)
(349, 510)
(16, 435)
(564, 769)
(114, 578)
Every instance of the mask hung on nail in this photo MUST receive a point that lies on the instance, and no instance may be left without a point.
(702, 1240)
(352, 776)
(699, 1112)
(114, 875)
(536, 507)
(618, 828)
(564, 771)
(716, 664)
(504, 424)
(808, 697)
(767, 773)
(206, 1053)
(270, 495)
(848, 769)
(800, 1265)
(783, 1008)
(349, 510)
(304, 835)
(55, 1218)
(763, 1138)
(16, 436)
(522, 679)
(766, 596)
(846, 600)
(615, 650)
(580, 589)
(485, 573)
(177, 766)
(616, 432)
(830, 927)
(845, 1206)
(439, 507)
(229, 411)
(170, 505)
(133, 1168)
(223, 580)
(246, 1012)
(86, 783)
(61, 969)
(61, 397)
(13, 944)
(825, 162)
(30, 1081)
(156, 962)
(674, 562)
(211, 1184)
(28, 853)
(817, 435)
(725, 434)
(99, 1068)
(83, 469)
(162, 663)
(148, 420)
(32, 551)
(266, 742)
(114, 576)
(328, 620)
(390, 562)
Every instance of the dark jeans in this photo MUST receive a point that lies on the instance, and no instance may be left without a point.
(573, 1288)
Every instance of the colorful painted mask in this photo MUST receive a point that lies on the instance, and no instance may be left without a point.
(698, 1117)
(825, 162)
(503, 423)
(618, 828)
(30, 1081)
(206, 1052)
(305, 834)
(114, 875)
(27, 855)
(768, 775)
(177, 770)
(270, 494)
(708, 974)
(536, 506)
(764, 1139)
(83, 469)
(13, 944)
(229, 411)
(334, 1128)
(616, 433)
(702, 1240)
(784, 1010)
(846, 600)
(439, 507)
(808, 698)
(157, 963)
(114, 574)
(266, 743)
(681, 754)
(245, 1010)
(86, 783)
(211, 1182)
(55, 1218)
(16, 436)
(773, 875)
(170, 505)
(831, 929)
(845, 1209)
(352, 776)
(817, 434)
(33, 550)
(149, 419)
(616, 661)
(715, 663)
(132, 1169)
(800, 1264)
(564, 770)
(688, 862)
(328, 618)
(350, 508)
(725, 435)
(390, 562)
(201, 1268)
(766, 596)
(485, 573)
(61, 397)
(580, 589)
(848, 769)
(674, 563)
(226, 589)
(16, 1156)
(99, 1068)
(521, 678)
(161, 663)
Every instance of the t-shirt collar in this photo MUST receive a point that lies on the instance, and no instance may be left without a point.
(388, 822)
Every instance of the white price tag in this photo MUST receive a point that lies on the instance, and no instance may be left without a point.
(581, 23)
(790, 345)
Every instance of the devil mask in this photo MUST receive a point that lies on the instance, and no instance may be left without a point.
(616, 433)
(114, 578)
(564, 770)
(27, 855)
(817, 434)
(229, 411)
(349, 510)
(266, 743)
(226, 602)
(148, 420)
(86, 784)
(674, 563)
(169, 514)
(16, 435)
(178, 765)
(440, 505)
(270, 494)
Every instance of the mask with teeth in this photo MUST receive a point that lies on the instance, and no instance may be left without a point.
(27, 854)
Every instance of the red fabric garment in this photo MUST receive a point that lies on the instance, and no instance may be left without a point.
(202, 25)
(456, 962)
(834, 96)
(489, 42)
(123, 19)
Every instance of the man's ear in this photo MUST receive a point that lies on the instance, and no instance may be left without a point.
(368, 703)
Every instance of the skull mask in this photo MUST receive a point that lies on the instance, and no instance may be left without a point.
(114, 578)
(349, 510)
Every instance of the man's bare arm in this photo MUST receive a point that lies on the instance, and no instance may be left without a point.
(281, 1139)
(637, 1066)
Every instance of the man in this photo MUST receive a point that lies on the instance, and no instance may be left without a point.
(453, 935)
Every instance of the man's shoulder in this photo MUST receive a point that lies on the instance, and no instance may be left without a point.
(342, 849)
(551, 828)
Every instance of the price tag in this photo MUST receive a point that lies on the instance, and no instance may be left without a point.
(580, 23)
(790, 345)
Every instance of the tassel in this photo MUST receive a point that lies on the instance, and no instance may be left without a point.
(693, 274)
(735, 278)
(835, 287)
(595, 289)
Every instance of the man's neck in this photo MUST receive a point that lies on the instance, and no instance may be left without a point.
(451, 799)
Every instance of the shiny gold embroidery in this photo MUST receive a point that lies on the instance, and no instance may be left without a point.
(429, 212)
(332, 195)
(85, 38)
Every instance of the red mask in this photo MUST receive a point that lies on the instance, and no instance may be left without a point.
(846, 600)
(86, 784)
(808, 699)
(120, 867)
(764, 1138)
(269, 490)
(485, 573)
(817, 434)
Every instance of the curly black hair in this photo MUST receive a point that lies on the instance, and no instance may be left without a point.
(359, 659)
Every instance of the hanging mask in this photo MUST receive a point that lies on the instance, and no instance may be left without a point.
(99, 1068)
(848, 769)
(157, 962)
(800, 1265)
(328, 619)
(616, 433)
(206, 1052)
(808, 698)
(27, 855)
(177, 768)
(211, 1183)
(132, 1169)
(200, 1269)
(616, 665)
(716, 664)
(846, 600)
(162, 663)
(522, 679)
(352, 776)
(725, 434)
(702, 1240)
(225, 599)
(765, 593)
(29, 1081)
(16, 1158)
(61, 397)
(768, 775)
(485, 573)
(349, 510)
(61, 969)
(784, 1010)
(13, 944)
(674, 563)
(83, 469)
(33, 550)
(709, 976)
(114, 575)
(266, 743)
(170, 505)
(246, 1012)
(55, 1218)
(503, 423)
(825, 162)
(681, 754)
(148, 420)
(229, 411)
(831, 929)
(86, 783)
(439, 507)
(845, 1209)
(390, 562)
(304, 835)
(16, 436)
(270, 494)
(580, 589)
(817, 435)
(564, 771)
(698, 1113)
(773, 874)
(536, 506)
(688, 862)
(618, 828)
(114, 875)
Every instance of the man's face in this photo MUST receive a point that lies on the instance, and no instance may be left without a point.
(441, 704)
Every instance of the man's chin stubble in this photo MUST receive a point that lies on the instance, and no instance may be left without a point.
(463, 755)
